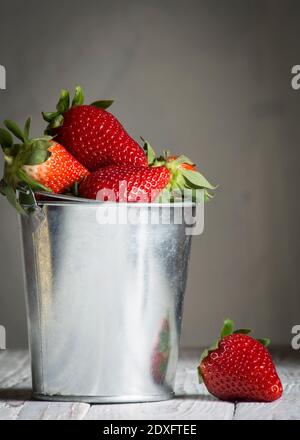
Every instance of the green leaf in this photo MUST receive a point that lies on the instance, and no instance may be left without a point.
(15, 129)
(264, 341)
(243, 331)
(104, 103)
(195, 180)
(43, 138)
(64, 101)
(12, 197)
(78, 96)
(149, 152)
(49, 116)
(31, 182)
(198, 195)
(57, 121)
(207, 196)
(183, 159)
(14, 150)
(227, 328)
(6, 139)
(204, 354)
(37, 156)
(27, 198)
(38, 151)
(27, 129)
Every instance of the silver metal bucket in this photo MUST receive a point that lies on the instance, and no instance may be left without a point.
(104, 301)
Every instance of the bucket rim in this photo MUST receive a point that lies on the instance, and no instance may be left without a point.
(51, 199)
(93, 203)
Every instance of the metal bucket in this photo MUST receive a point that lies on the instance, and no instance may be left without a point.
(104, 301)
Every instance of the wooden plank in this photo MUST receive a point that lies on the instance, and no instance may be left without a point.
(15, 382)
(14, 367)
(15, 393)
(35, 410)
(176, 409)
(285, 408)
(287, 365)
(10, 410)
(192, 401)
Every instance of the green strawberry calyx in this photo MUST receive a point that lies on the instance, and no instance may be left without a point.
(25, 151)
(227, 329)
(55, 119)
(184, 175)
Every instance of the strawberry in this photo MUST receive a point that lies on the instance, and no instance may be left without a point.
(239, 367)
(92, 135)
(38, 163)
(59, 172)
(125, 183)
(144, 184)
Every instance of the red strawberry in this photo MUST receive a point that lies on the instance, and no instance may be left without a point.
(38, 163)
(93, 135)
(143, 184)
(59, 172)
(239, 367)
(125, 183)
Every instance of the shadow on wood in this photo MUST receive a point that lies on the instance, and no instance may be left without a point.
(15, 394)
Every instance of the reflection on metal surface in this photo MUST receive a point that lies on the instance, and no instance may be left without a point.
(161, 353)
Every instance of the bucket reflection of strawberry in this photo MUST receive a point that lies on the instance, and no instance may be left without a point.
(161, 353)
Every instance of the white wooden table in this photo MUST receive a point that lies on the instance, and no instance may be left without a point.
(192, 401)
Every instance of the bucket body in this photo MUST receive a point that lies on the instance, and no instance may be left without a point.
(104, 302)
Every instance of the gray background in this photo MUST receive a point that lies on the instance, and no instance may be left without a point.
(208, 78)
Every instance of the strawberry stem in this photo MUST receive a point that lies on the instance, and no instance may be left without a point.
(227, 328)
(64, 102)
(103, 103)
(29, 152)
(244, 331)
(56, 119)
(13, 127)
(149, 152)
(78, 96)
(181, 178)
(264, 341)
